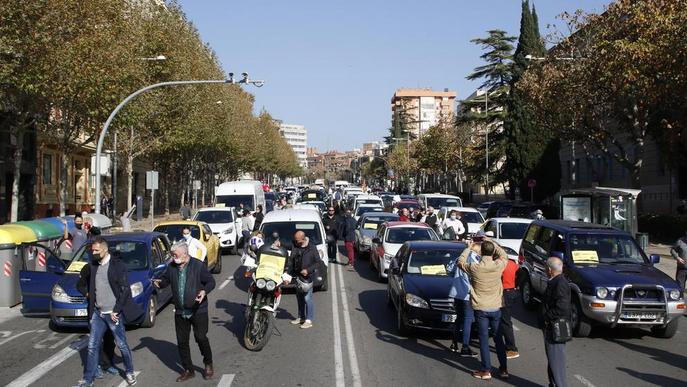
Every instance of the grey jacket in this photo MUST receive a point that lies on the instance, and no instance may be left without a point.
(680, 251)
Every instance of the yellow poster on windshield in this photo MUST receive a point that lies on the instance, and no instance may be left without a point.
(585, 256)
(370, 226)
(433, 270)
(271, 267)
(76, 266)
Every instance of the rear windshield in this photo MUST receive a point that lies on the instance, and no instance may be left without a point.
(286, 230)
(362, 210)
(443, 202)
(248, 201)
(133, 254)
(174, 231)
(473, 217)
(513, 230)
(215, 216)
(405, 234)
(611, 249)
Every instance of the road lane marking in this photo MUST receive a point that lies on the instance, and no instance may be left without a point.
(338, 351)
(226, 282)
(37, 372)
(226, 381)
(124, 383)
(53, 336)
(352, 356)
(584, 381)
(10, 338)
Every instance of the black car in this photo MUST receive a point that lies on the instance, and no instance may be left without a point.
(419, 285)
(312, 195)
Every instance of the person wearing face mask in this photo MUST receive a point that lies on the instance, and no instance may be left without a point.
(196, 248)
(78, 236)
(191, 282)
(305, 262)
(454, 223)
(109, 306)
(430, 218)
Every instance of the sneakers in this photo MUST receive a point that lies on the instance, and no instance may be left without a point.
(307, 324)
(99, 373)
(130, 379)
(454, 347)
(503, 373)
(83, 383)
(351, 268)
(512, 355)
(467, 352)
(296, 321)
(112, 370)
(484, 375)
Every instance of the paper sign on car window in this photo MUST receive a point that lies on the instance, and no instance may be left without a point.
(220, 205)
(585, 256)
(433, 270)
(270, 267)
(312, 196)
(370, 226)
(76, 266)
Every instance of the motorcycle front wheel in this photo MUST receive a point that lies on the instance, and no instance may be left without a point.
(259, 326)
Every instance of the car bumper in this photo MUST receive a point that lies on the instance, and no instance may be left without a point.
(606, 312)
(227, 240)
(69, 315)
(429, 319)
(384, 267)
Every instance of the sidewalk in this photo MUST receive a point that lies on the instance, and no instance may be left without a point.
(667, 265)
(145, 224)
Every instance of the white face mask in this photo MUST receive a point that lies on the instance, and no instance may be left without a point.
(187, 236)
(453, 217)
(178, 261)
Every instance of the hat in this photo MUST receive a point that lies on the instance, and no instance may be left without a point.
(538, 212)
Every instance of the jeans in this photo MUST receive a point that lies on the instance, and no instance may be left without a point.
(98, 325)
(510, 297)
(350, 251)
(484, 321)
(464, 318)
(680, 277)
(555, 354)
(199, 323)
(245, 234)
(306, 306)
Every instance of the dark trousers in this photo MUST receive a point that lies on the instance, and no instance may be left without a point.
(680, 277)
(199, 322)
(331, 250)
(555, 354)
(463, 325)
(510, 297)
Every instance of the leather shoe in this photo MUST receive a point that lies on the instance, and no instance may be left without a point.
(186, 375)
(209, 372)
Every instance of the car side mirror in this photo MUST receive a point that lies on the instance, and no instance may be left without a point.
(654, 259)
(490, 234)
(376, 240)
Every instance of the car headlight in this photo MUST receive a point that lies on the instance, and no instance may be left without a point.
(136, 289)
(601, 292)
(59, 295)
(416, 301)
(260, 283)
(367, 240)
(228, 231)
(270, 285)
(675, 294)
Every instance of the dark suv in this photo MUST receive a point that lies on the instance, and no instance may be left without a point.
(612, 281)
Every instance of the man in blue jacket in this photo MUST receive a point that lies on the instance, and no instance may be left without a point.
(191, 282)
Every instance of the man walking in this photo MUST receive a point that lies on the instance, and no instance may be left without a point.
(348, 226)
(185, 212)
(556, 306)
(486, 293)
(191, 283)
(679, 252)
(110, 305)
(247, 223)
(331, 226)
(304, 258)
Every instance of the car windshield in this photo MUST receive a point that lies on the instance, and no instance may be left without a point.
(286, 230)
(443, 202)
(369, 201)
(380, 219)
(174, 231)
(134, 254)
(473, 217)
(408, 205)
(215, 216)
(404, 234)
(362, 210)
(236, 200)
(513, 230)
(612, 249)
(431, 262)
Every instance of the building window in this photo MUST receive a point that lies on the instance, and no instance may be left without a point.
(47, 169)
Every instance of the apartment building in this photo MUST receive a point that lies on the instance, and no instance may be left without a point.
(420, 109)
(297, 137)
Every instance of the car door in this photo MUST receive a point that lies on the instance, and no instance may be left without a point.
(161, 258)
(36, 284)
(210, 244)
(396, 278)
(377, 248)
(540, 253)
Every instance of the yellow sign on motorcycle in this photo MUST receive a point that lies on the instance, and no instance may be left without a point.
(270, 267)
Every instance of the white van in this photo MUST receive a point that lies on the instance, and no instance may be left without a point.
(235, 193)
(341, 184)
(439, 200)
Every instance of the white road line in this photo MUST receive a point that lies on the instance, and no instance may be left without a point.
(59, 343)
(352, 356)
(225, 283)
(10, 338)
(37, 372)
(124, 383)
(584, 381)
(338, 351)
(226, 381)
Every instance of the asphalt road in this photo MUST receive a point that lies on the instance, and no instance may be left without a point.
(353, 343)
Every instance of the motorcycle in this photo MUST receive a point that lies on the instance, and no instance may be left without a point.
(264, 295)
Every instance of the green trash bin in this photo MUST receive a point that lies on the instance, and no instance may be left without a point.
(643, 240)
(48, 236)
(13, 239)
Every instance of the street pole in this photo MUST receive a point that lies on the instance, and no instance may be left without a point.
(114, 180)
(486, 135)
(106, 126)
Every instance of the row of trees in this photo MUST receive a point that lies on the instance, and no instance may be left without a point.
(65, 65)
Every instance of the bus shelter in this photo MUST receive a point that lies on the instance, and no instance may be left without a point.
(614, 207)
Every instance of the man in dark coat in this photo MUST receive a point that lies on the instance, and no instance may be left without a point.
(305, 260)
(331, 227)
(556, 306)
(348, 225)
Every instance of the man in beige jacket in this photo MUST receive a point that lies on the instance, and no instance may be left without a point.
(486, 297)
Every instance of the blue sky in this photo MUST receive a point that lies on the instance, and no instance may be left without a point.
(334, 66)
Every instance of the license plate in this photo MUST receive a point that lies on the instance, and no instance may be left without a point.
(81, 312)
(644, 316)
(448, 318)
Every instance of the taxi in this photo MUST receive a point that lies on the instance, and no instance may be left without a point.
(199, 230)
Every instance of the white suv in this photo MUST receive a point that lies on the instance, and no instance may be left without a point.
(223, 223)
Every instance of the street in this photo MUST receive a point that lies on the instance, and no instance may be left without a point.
(352, 343)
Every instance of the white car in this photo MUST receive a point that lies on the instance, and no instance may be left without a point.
(223, 223)
(438, 200)
(507, 232)
(286, 223)
(363, 208)
(366, 199)
(471, 216)
(389, 239)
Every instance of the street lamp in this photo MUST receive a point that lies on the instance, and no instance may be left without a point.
(106, 126)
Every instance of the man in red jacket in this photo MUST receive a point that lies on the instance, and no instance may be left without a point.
(505, 331)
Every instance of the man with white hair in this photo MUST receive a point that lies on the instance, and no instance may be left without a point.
(556, 306)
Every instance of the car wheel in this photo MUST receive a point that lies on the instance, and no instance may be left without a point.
(401, 326)
(151, 313)
(581, 325)
(666, 332)
(526, 294)
(218, 264)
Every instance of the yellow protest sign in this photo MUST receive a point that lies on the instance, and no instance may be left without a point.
(271, 267)
(433, 270)
(370, 226)
(76, 266)
(585, 256)
(312, 196)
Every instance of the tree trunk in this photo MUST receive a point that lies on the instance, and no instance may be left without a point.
(14, 212)
(129, 180)
(64, 180)
(166, 186)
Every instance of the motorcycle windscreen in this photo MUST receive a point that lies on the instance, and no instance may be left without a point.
(271, 267)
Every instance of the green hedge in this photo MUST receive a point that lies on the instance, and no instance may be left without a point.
(662, 228)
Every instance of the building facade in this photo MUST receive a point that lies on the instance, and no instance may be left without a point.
(422, 108)
(297, 137)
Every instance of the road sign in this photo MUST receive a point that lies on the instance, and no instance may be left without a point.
(531, 183)
(151, 179)
(196, 184)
